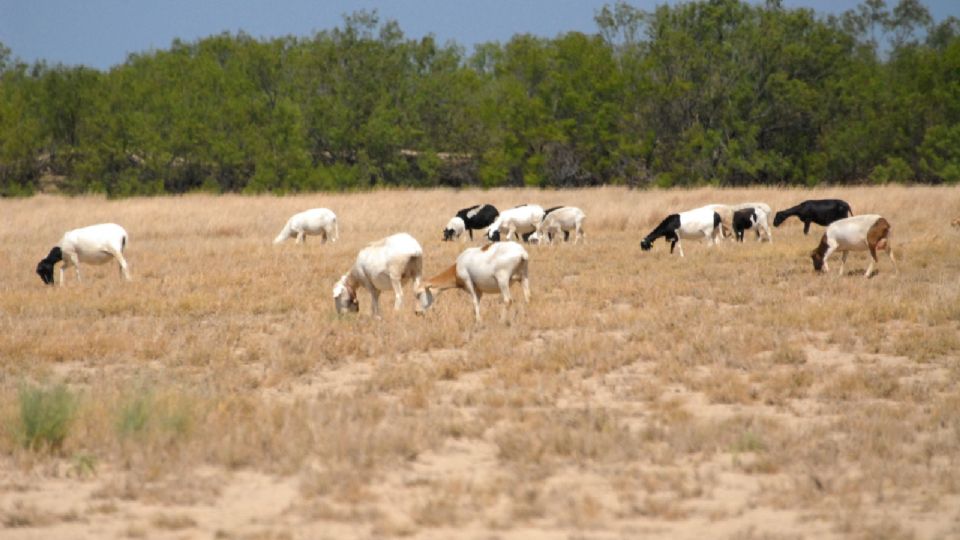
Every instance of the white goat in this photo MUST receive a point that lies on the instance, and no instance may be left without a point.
(382, 265)
(478, 270)
(701, 222)
(95, 244)
(565, 219)
(725, 212)
(316, 221)
(858, 233)
(515, 221)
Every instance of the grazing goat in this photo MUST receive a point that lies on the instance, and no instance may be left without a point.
(763, 221)
(822, 212)
(521, 221)
(470, 219)
(561, 219)
(382, 265)
(316, 221)
(859, 233)
(698, 223)
(95, 244)
(478, 270)
(750, 218)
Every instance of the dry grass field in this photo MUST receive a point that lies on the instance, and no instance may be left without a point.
(730, 394)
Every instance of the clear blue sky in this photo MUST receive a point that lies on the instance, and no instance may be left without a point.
(100, 33)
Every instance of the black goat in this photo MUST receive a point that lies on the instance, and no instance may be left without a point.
(822, 212)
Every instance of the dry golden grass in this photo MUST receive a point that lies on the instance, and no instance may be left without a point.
(729, 394)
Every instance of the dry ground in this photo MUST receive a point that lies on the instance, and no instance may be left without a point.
(730, 394)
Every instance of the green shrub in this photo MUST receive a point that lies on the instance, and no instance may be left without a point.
(894, 170)
(133, 417)
(45, 416)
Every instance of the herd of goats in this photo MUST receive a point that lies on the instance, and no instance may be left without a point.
(392, 261)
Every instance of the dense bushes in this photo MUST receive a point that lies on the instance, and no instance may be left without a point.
(720, 92)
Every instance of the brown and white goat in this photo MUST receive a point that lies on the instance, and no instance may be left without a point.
(858, 233)
(488, 269)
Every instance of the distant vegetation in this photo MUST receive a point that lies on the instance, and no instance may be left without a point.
(721, 92)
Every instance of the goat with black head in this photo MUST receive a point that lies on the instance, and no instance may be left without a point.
(45, 266)
(469, 219)
(823, 212)
(702, 222)
(95, 244)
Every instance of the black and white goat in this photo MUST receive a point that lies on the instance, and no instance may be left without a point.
(750, 218)
(764, 213)
(698, 223)
(95, 244)
(822, 212)
(476, 217)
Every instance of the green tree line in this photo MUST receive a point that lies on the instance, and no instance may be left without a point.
(720, 92)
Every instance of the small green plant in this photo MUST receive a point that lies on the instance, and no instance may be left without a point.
(749, 442)
(84, 465)
(45, 416)
(134, 416)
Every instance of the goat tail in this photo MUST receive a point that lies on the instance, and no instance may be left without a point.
(849, 211)
(523, 267)
(284, 234)
(415, 267)
(123, 242)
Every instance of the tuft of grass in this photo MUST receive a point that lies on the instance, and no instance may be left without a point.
(173, 522)
(134, 416)
(45, 416)
(83, 465)
(789, 354)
